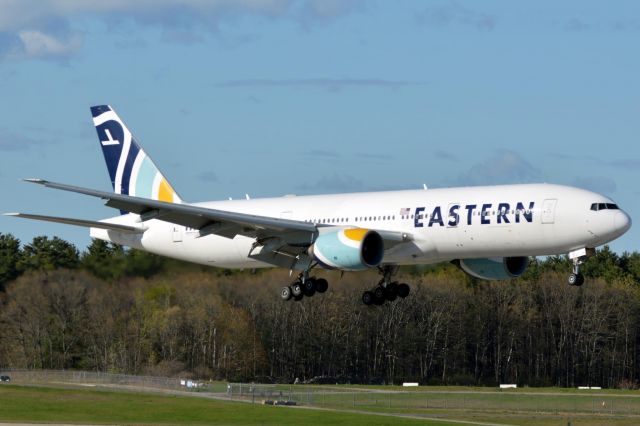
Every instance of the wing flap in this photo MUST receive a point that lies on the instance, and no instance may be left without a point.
(81, 222)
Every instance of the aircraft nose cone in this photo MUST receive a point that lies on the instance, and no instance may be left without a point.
(622, 222)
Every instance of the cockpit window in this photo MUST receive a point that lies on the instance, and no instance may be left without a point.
(604, 206)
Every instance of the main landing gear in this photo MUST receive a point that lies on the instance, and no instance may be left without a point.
(304, 286)
(578, 257)
(386, 290)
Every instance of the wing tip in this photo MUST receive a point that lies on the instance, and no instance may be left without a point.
(11, 214)
(35, 180)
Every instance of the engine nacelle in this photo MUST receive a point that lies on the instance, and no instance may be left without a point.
(497, 268)
(348, 249)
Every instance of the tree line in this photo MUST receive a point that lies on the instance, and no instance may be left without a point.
(115, 310)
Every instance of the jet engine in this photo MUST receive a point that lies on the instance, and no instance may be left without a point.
(497, 268)
(348, 249)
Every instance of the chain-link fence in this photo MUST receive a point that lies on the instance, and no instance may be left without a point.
(481, 401)
(91, 378)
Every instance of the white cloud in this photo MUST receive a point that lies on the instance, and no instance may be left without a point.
(36, 44)
(454, 13)
(329, 9)
(504, 167)
(46, 29)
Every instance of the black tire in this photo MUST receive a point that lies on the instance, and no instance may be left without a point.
(378, 300)
(367, 298)
(296, 289)
(391, 292)
(321, 285)
(298, 298)
(285, 293)
(309, 287)
(379, 293)
(403, 290)
(576, 279)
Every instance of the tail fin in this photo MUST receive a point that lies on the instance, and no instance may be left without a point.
(132, 172)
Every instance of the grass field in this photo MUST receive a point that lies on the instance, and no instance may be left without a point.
(348, 405)
(523, 406)
(50, 405)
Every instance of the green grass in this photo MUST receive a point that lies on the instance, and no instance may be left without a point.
(47, 404)
(528, 407)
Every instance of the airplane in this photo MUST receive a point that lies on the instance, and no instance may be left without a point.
(488, 231)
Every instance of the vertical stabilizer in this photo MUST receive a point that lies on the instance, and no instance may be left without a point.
(131, 170)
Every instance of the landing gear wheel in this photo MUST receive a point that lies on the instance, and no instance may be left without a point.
(296, 290)
(378, 300)
(285, 293)
(309, 287)
(298, 298)
(576, 279)
(391, 292)
(378, 293)
(403, 290)
(321, 285)
(367, 298)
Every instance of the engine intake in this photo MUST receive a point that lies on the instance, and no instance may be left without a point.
(348, 249)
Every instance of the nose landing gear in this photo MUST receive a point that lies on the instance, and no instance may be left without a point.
(576, 278)
(578, 257)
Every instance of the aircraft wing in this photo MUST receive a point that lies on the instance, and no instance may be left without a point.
(81, 222)
(293, 234)
(208, 221)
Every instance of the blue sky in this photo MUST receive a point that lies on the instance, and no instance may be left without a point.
(270, 97)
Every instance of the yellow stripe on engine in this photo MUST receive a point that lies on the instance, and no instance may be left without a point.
(355, 234)
(165, 192)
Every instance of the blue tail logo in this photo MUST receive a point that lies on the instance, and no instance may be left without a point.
(132, 172)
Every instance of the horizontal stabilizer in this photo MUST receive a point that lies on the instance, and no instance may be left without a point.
(80, 222)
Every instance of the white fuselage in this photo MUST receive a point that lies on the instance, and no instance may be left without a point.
(445, 224)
